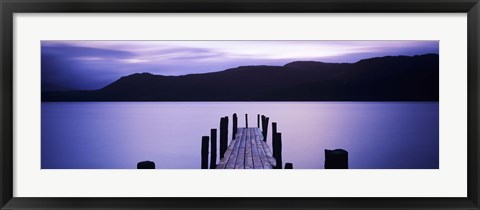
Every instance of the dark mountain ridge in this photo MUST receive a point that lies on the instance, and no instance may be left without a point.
(390, 78)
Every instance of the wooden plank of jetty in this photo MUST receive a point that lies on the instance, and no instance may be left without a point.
(240, 163)
(247, 151)
(264, 152)
(232, 160)
(223, 162)
(268, 153)
(257, 163)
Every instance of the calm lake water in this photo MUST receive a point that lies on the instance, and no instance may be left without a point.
(117, 135)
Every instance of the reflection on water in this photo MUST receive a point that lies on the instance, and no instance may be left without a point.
(377, 135)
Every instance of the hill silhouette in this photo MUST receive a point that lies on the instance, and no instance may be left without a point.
(390, 78)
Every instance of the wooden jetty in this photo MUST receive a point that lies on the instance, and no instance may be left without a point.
(248, 148)
(247, 151)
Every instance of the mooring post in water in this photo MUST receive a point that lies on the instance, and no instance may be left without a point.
(204, 152)
(223, 139)
(213, 148)
(146, 165)
(274, 129)
(246, 120)
(288, 165)
(277, 149)
(263, 124)
(336, 159)
(234, 125)
(258, 121)
(274, 139)
(265, 129)
(226, 129)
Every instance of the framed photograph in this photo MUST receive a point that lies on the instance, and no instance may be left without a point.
(239, 104)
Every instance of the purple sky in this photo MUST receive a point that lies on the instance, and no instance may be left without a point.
(94, 64)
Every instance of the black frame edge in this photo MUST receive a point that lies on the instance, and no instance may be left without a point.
(241, 203)
(6, 106)
(241, 6)
(9, 7)
(473, 105)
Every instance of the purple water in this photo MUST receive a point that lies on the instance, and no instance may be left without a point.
(117, 135)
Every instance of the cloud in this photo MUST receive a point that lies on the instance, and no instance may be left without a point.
(78, 67)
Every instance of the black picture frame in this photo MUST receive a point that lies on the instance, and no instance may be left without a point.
(10, 7)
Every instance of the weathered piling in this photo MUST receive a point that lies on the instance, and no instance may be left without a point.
(204, 152)
(277, 149)
(234, 125)
(226, 127)
(264, 127)
(213, 148)
(274, 129)
(336, 159)
(246, 120)
(146, 165)
(223, 135)
(288, 165)
(258, 121)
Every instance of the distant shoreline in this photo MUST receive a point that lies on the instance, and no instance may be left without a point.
(390, 78)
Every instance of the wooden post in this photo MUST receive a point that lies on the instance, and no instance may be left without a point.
(213, 148)
(223, 140)
(258, 121)
(274, 142)
(336, 159)
(265, 130)
(234, 125)
(277, 150)
(274, 129)
(204, 152)
(263, 123)
(226, 130)
(288, 166)
(246, 120)
(146, 165)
